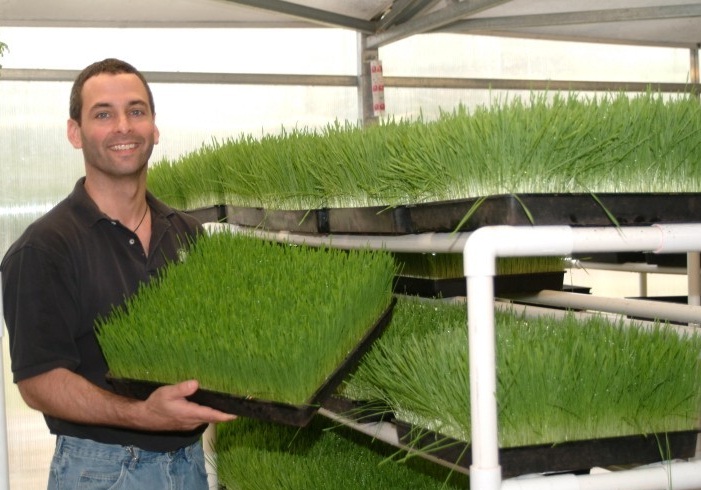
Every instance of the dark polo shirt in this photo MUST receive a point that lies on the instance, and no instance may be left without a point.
(69, 267)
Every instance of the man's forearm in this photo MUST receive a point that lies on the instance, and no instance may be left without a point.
(63, 394)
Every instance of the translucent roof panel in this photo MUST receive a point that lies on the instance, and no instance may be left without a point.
(649, 22)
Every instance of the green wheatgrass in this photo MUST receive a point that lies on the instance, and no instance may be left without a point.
(551, 143)
(256, 455)
(249, 317)
(558, 380)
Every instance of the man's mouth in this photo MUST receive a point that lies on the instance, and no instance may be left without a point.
(127, 146)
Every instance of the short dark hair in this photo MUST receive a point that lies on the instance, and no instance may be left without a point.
(112, 66)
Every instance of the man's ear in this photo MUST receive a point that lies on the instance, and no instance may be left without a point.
(73, 133)
(156, 132)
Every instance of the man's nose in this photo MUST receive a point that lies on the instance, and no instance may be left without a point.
(123, 125)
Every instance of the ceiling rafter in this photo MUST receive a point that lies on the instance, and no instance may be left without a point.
(432, 21)
(581, 17)
(323, 17)
(402, 11)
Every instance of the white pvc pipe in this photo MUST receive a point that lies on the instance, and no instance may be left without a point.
(641, 308)
(532, 311)
(209, 440)
(676, 475)
(4, 460)
(479, 260)
(627, 267)
(642, 284)
(423, 242)
(693, 266)
(386, 432)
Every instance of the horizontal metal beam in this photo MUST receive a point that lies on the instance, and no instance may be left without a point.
(522, 84)
(19, 74)
(15, 74)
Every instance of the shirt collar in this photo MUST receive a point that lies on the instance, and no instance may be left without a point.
(88, 210)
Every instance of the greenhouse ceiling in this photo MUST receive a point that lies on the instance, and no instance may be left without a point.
(645, 22)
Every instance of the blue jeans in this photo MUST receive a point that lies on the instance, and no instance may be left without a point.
(88, 465)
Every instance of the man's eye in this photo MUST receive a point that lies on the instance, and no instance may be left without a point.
(137, 112)
(102, 115)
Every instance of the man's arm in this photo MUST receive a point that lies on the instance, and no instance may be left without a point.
(63, 394)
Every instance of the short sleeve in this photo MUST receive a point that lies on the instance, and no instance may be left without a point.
(40, 309)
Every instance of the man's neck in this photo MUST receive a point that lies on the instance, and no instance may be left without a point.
(120, 199)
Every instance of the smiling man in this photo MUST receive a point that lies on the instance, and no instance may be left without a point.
(76, 263)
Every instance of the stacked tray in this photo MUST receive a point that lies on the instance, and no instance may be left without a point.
(507, 209)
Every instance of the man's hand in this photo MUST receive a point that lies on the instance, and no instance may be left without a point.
(66, 395)
(168, 408)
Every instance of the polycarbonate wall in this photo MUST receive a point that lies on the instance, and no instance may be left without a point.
(39, 167)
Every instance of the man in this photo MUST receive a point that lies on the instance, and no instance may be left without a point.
(75, 264)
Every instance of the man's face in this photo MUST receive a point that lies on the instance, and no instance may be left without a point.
(118, 129)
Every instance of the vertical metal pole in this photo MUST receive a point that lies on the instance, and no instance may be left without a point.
(694, 76)
(365, 55)
(693, 263)
(4, 460)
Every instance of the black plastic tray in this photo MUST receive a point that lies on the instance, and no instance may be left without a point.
(445, 216)
(305, 221)
(566, 456)
(666, 260)
(503, 284)
(211, 214)
(284, 413)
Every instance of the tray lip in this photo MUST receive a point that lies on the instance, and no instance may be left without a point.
(465, 200)
(294, 414)
(404, 429)
(588, 209)
(457, 286)
(405, 426)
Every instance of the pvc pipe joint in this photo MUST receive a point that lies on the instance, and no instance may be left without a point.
(486, 244)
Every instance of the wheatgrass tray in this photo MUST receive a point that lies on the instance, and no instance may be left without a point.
(457, 286)
(575, 209)
(570, 456)
(272, 411)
